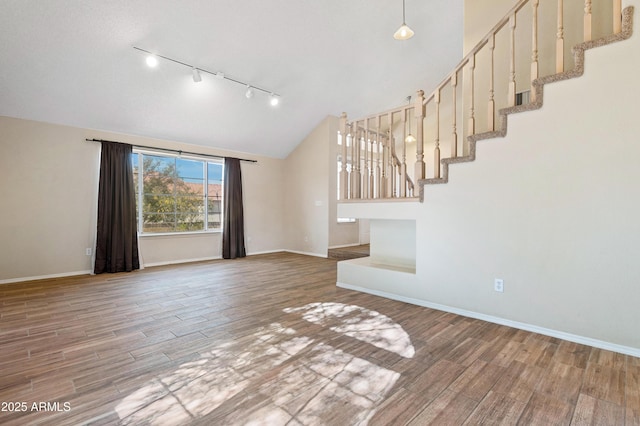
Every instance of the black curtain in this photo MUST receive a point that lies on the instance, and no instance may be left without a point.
(233, 221)
(117, 239)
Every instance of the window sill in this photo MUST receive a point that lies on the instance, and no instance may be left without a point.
(180, 234)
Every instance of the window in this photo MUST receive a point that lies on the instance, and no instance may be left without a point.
(176, 194)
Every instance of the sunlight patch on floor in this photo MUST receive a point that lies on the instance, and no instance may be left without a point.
(360, 323)
(277, 376)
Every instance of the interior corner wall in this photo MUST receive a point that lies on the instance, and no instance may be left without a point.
(307, 193)
(552, 209)
(343, 233)
(48, 187)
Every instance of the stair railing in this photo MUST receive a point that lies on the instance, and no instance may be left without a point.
(532, 40)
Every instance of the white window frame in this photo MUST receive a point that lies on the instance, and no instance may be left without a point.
(140, 153)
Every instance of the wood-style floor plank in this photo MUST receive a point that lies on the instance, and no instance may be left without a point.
(270, 339)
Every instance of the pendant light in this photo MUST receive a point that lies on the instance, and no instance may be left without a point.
(410, 138)
(404, 32)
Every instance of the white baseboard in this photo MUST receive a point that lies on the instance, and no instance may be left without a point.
(45, 277)
(179, 261)
(324, 255)
(626, 350)
(346, 245)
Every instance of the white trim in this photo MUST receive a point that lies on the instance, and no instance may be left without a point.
(306, 253)
(626, 350)
(44, 277)
(265, 252)
(179, 261)
(347, 245)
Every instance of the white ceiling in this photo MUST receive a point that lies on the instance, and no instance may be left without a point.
(72, 62)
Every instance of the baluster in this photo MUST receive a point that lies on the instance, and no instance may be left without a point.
(371, 168)
(454, 136)
(380, 149)
(617, 16)
(491, 109)
(587, 20)
(534, 47)
(436, 151)
(420, 167)
(512, 66)
(560, 39)
(472, 119)
(356, 162)
(390, 153)
(365, 172)
(403, 165)
(386, 169)
(343, 168)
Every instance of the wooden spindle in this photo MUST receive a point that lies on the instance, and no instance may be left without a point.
(617, 16)
(472, 119)
(436, 151)
(371, 165)
(587, 20)
(534, 46)
(560, 38)
(379, 149)
(355, 181)
(343, 162)
(454, 136)
(491, 108)
(383, 169)
(403, 164)
(365, 171)
(390, 159)
(418, 107)
(512, 65)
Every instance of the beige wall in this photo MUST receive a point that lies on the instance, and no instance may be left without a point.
(340, 234)
(48, 187)
(310, 194)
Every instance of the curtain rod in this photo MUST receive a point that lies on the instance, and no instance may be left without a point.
(179, 152)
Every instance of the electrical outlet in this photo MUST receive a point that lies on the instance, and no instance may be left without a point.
(87, 251)
(498, 285)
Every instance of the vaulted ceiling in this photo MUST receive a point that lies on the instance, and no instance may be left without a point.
(72, 62)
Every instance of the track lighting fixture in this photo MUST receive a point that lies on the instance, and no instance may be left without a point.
(404, 32)
(197, 78)
(196, 74)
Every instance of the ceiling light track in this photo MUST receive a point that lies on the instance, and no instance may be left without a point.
(220, 75)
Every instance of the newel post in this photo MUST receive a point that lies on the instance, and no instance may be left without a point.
(344, 178)
(419, 109)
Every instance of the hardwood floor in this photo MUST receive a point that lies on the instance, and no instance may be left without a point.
(351, 252)
(271, 340)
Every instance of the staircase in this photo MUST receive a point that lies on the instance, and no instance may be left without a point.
(377, 150)
(551, 205)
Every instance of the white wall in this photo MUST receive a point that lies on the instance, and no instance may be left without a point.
(552, 209)
(48, 187)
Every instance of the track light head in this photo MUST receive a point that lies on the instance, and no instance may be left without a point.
(274, 99)
(249, 93)
(152, 61)
(197, 78)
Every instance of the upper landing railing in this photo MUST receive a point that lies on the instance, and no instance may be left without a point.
(533, 40)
